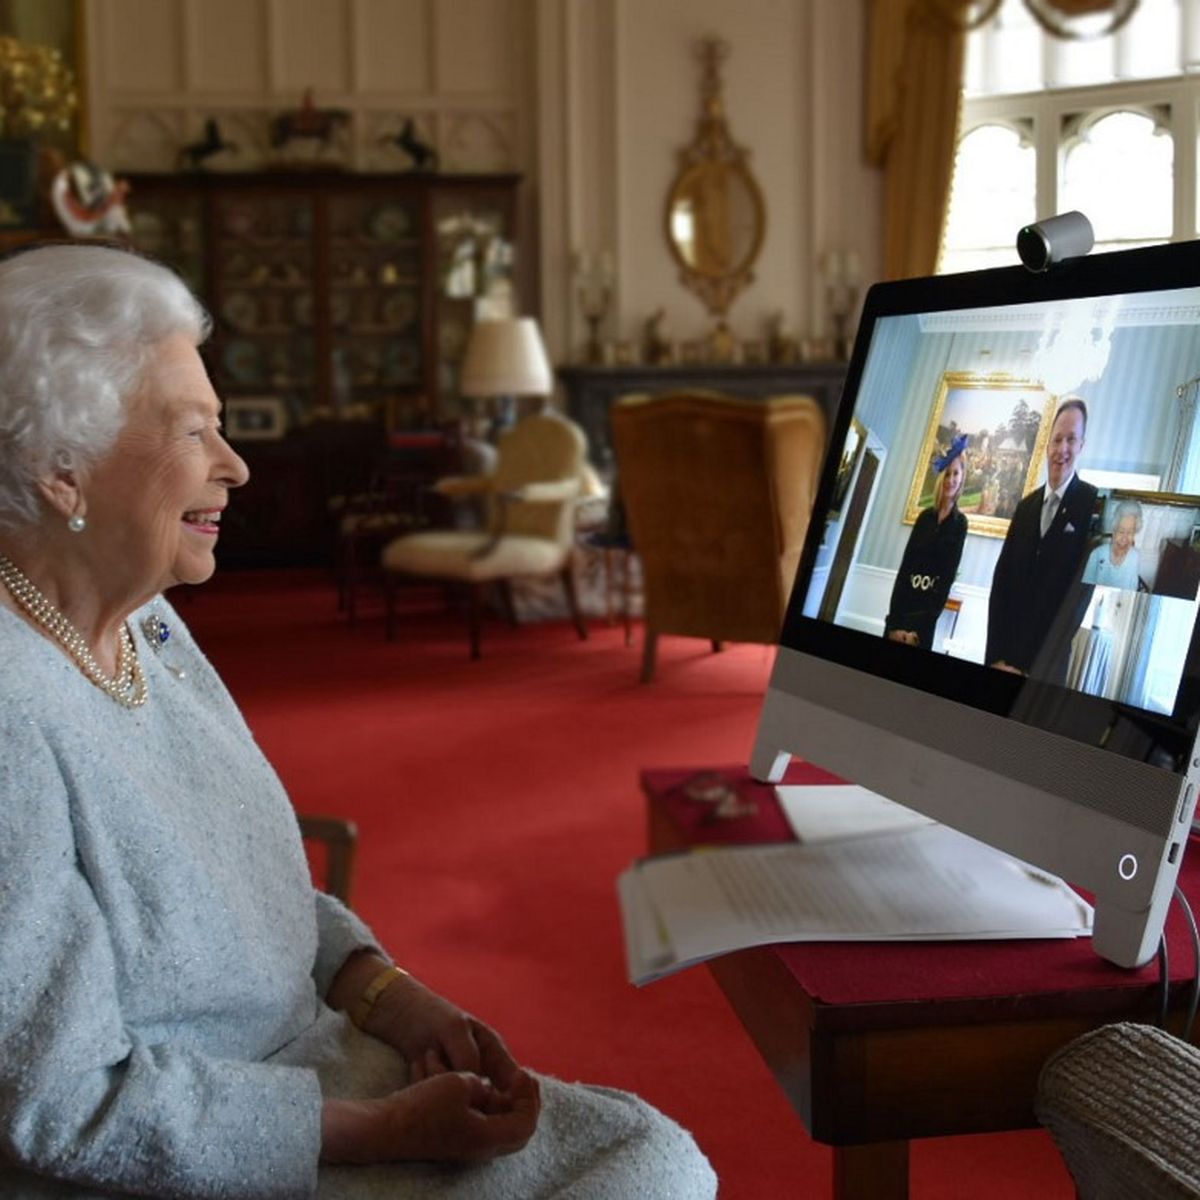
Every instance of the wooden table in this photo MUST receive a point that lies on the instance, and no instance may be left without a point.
(878, 1043)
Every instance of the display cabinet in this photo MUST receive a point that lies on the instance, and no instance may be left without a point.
(347, 296)
(338, 300)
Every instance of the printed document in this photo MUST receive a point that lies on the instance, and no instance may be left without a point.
(926, 883)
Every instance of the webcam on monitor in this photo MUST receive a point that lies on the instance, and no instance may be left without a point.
(1044, 243)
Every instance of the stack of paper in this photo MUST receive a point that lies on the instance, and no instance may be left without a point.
(831, 812)
(923, 883)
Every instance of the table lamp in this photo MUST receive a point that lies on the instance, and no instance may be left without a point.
(505, 359)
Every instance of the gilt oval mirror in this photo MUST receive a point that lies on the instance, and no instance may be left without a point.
(716, 218)
(715, 215)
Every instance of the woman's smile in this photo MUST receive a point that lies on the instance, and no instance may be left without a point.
(203, 520)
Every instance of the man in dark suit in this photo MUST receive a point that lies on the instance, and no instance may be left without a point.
(1038, 568)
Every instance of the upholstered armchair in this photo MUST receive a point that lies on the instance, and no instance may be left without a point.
(530, 500)
(718, 492)
(1121, 1104)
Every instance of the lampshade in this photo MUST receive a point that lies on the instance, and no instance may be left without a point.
(506, 358)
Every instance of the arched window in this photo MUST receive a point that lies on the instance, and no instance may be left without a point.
(993, 196)
(1119, 170)
(1107, 125)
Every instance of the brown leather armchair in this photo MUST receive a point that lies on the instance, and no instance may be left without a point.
(718, 492)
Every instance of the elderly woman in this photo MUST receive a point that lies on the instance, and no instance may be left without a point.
(931, 556)
(1115, 563)
(181, 1015)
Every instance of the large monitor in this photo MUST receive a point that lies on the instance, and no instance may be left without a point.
(1026, 672)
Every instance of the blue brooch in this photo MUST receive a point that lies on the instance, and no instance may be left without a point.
(158, 633)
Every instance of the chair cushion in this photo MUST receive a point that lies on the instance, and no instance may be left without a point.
(446, 554)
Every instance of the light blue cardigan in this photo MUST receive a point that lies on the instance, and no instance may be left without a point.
(162, 961)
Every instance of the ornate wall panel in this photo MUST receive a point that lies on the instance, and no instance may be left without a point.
(475, 141)
(310, 45)
(139, 45)
(475, 46)
(226, 46)
(392, 46)
(145, 139)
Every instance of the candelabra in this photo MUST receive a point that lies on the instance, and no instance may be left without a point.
(841, 271)
(593, 287)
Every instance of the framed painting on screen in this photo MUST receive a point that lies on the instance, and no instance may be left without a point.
(1006, 421)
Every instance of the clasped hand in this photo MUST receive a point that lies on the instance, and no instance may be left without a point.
(467, 1099)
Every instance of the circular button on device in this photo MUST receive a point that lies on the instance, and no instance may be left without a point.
(1127, 867)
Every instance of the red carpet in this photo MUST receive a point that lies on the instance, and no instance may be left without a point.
(496, 803)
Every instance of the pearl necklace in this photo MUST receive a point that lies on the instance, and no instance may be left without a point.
(127, 686)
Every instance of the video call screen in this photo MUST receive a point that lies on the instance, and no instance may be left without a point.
(935, 537)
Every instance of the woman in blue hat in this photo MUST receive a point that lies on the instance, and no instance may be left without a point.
(931, 557)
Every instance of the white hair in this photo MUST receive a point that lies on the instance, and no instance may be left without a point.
(78, 324)
(1128, 508)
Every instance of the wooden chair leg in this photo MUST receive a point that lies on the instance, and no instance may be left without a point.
(567, 575)
(609, 557)
(339, 570)
(649, 645)
(350, 579)
(475, 617)
(506, 601)
(389, 605)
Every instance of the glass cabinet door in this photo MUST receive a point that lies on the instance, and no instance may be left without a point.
(375, 290)
(169, 226)
(338, 298)
(265, 298)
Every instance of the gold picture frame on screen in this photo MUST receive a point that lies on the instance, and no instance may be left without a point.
(1007, 421)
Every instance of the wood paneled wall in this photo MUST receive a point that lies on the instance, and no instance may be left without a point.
(158, 69)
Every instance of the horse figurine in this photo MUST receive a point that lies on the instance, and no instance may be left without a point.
(307, 123)
(422, 155)
(194, 154)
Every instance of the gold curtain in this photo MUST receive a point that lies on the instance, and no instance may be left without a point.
(914, 80)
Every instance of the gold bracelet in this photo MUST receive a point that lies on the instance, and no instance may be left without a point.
(361, 1009)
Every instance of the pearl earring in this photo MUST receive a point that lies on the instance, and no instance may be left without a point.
(76, 523)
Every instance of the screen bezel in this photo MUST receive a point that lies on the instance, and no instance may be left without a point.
(1163, 741)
